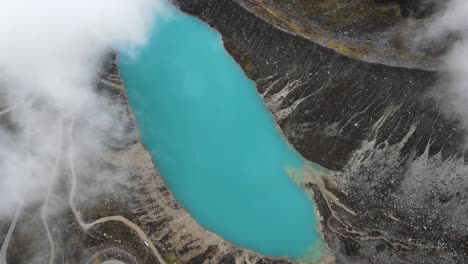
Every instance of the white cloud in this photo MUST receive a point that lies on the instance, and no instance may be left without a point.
(50, 51)
(448, 25)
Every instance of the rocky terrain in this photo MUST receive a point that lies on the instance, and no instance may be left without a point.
(370, 30)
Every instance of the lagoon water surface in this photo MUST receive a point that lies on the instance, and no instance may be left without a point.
(214, 143)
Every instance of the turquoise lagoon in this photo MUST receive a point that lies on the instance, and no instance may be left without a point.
(215, 144)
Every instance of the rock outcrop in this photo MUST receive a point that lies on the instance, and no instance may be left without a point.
(376, 31)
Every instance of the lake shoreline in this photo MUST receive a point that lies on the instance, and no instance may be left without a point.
(252, 91)
(181, 240)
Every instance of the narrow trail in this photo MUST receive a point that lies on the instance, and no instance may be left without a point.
(54, 175)
(116, 218)
(6, 242)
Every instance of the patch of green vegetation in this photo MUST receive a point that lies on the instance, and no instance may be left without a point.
(172, 258)
(349, 49)
(299, 25)
(356, 15)
(241, 57)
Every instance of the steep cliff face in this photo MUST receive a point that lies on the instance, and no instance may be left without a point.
(396, 160)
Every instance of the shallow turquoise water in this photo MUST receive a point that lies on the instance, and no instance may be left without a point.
(214, 143)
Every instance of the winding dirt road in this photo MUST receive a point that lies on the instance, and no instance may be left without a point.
(117, 218)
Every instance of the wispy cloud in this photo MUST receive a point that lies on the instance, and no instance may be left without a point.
(50, 52)
(450, 25)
